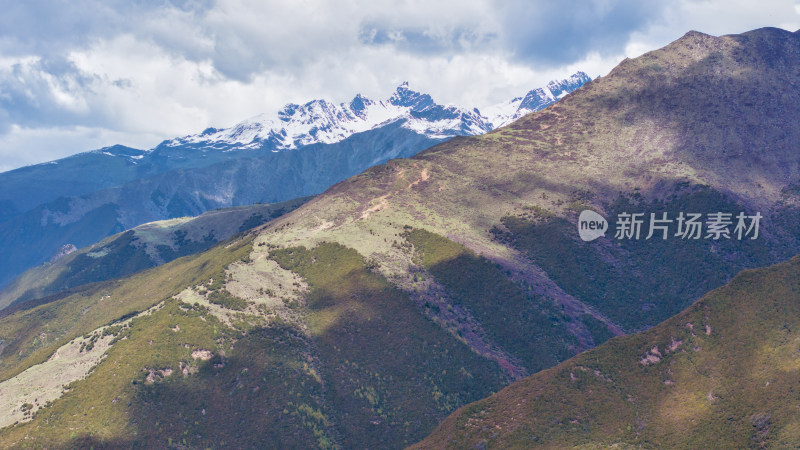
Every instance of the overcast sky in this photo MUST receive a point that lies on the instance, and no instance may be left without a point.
(77, 75)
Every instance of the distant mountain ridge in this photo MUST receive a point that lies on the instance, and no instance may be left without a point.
(321, 121)
(504, 113)
(86, 197)
(147, 245)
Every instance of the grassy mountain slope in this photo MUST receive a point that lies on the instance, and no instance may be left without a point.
(315, 365)
(31, 334)
(656, 135)
(723, 373)
(140, 248)
(422, 284)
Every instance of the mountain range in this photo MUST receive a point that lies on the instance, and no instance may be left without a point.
(324, 122)
(86, 197)
(408, 292)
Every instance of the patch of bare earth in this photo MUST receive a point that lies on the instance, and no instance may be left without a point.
(24, 394)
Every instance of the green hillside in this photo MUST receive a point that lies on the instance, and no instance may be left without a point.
(722, 374)
(318, 379)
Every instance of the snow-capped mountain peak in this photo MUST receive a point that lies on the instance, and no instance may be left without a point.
(535, 100)
(359, 105)
(321, 121)
(405, 97)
